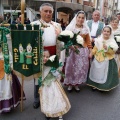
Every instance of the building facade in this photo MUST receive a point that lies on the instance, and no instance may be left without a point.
(107, 8)
(64, 9)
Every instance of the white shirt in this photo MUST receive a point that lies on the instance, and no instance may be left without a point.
(49, 36)
(94, 28)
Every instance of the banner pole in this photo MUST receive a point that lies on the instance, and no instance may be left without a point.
(22, 11)
(22, 22)
(22, 84)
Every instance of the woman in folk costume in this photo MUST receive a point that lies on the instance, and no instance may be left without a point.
(54, 102)
(10, 89)
(103, 72)
(77, 65)
(116, 32)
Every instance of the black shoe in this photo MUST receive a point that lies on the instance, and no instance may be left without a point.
(36, 105)
(77, 91)
(47, 118)
(70, 89)
(94, 89)
(101, 91)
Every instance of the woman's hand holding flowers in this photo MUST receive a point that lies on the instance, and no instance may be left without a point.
(105, 46)
(73, 47)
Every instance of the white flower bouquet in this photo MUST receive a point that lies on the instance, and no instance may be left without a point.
(53, 61)
(78, 41)
(67, 33)
(117, 38)
(52, 58)
(106, 46)
(113, 46)
(69, 38)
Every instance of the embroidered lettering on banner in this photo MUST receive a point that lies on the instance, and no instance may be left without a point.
(25, 66)
(16, 56)
(35, 58)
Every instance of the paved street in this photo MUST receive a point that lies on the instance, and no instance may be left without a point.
(86, 105)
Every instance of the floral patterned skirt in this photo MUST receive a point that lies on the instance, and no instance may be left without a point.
(76, 68)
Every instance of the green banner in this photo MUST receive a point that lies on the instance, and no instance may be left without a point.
(26, 47)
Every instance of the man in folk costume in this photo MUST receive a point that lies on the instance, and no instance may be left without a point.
(95, 25)
(51, 31)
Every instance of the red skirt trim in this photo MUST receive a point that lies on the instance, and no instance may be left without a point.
(51, 49)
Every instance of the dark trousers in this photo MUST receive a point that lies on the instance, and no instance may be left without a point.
(93, 44)
(36, 94)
